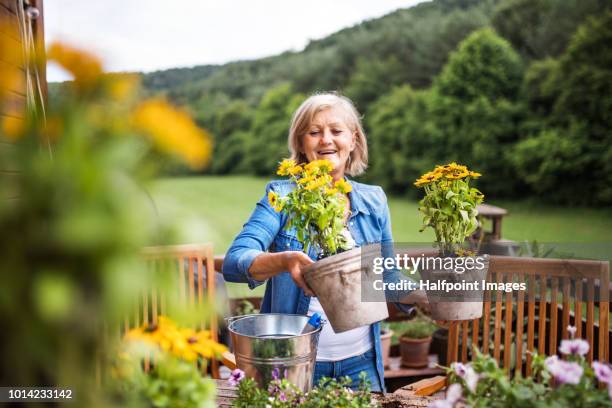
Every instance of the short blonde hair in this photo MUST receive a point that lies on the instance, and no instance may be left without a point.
(303, 116)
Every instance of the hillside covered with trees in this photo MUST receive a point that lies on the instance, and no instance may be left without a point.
(519, 90)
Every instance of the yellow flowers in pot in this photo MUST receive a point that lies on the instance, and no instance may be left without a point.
(315, 207)
(449, 205)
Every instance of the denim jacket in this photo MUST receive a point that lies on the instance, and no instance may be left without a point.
(369, 222)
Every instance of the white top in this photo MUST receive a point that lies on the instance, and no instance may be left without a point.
(338, 346)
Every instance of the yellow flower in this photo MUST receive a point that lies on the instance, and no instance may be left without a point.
(319, 166)
(343, 186)
(474, 174)
(331, 191)
(202, 344)
(173, 131)
(85, 67)
(122, 86)
(319, 182)
(272, 198)
(306, 180)
(284, 166)
(295, 170)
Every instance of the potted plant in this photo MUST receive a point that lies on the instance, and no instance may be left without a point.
(415, 342)
(454, 278)
(315, 210)
(386, 335)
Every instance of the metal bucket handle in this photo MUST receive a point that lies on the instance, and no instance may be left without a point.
(230, 320)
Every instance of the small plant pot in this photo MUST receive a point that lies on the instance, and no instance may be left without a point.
(456, 304)
(385, 346)
(415, 352)
(339, 282)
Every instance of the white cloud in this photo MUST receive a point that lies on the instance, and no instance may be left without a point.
(139, 35)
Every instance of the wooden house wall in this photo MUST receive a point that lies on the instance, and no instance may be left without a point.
(12, 110)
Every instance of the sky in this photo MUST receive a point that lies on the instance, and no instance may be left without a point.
(149, 35)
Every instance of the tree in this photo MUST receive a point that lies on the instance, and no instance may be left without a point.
(543, 28)
(402, 138)
(267, 141)
(476, 107)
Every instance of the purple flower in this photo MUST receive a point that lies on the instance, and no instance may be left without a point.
(276, 373)
(603, 372)
(459, 369)
(236, 376)
(572, 330)
(574, 347)
(282, 397)
(564, 372)
(467, 373)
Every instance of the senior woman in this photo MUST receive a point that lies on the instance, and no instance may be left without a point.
(325, 126)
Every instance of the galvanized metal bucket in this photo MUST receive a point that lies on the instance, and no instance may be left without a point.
(270, 345)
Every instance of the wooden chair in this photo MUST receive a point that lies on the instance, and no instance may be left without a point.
(193, 267)
(559, 292)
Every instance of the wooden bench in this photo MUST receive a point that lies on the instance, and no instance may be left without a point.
(187, 266)
(559, 292)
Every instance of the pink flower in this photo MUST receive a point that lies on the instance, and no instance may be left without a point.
(236, 376)
(603, 372)
(564, 372)
(572, 330)
(454, 393)
(441, 404)
(575, 347)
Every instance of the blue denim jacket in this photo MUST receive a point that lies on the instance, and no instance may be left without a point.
(369, 222)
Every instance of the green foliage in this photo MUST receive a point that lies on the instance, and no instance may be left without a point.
(484, 384)
(283, 394)
(484, 65)
(402, 138)
(171, 382)
(418, 329)
(268, 135)
(542, 28)
(74, 220)
(568, 158)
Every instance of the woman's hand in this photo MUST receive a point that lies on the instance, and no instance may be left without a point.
(294, 262)
(268, 265)
(418, 297)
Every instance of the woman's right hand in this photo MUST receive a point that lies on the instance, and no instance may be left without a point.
(294, 262)
(268, 265)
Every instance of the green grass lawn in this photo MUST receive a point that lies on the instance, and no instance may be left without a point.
(213, 209)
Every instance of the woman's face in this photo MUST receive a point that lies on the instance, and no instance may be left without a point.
(328, 137)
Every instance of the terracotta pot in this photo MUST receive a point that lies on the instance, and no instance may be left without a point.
(339, 282)
(415, 352)
(385, 346)
(456, 304)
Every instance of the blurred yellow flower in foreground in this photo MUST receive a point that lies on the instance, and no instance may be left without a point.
(85, 67)
(186, 344)
(173, 131)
